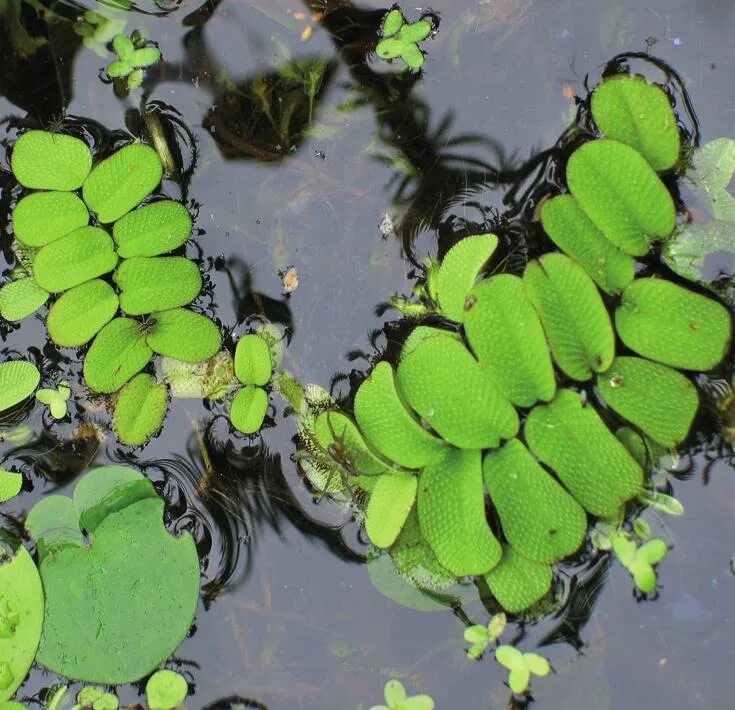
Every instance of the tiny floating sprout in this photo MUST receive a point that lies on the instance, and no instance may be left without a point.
(482, 636)
(55, 399)
(133, 55)
(400, 39)
(521, 666)
(639, 560)
(396, 699)
(92, 696)
(166, 690)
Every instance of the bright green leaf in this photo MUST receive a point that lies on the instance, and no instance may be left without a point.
(644, 576)
(50, 161)
(139, 410)
(248, 410)
(509, 657)
(10, 484)
(145, 57)
(391, 501)
(389, 48)
(624, 548)
(538, 665)
(166, 690)
(519, 679)
(476, 634)
(183, 334)
(416, 31)
(153, 229)
(123, 46)
(80, 313)
(44, 217)
(18, 381)
(392, 22)
(517, 582)
(55, 399)
(412, 55)
(19, 299)
(119, 68)
(653, 551)
(253, 365)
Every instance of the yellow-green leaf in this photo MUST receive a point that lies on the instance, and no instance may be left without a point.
(391, 501)
(80, 313)
(139, 410)
(151, 230)
(21, 298)
(50, 161)
(253, 364)
(183, 334)
(18, 381)
(248, 410)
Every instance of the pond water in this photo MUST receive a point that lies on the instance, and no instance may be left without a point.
(290, 618)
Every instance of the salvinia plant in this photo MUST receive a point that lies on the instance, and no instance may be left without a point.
(511, 399)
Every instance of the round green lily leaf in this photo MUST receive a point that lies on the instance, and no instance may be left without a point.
(80, 313)
(117, 353)
(21, 617)
(573, 315)
(388, 426)
(459, 270)
(517, 582)
(183, 334)
(392, 22)
(539, 518)
(505, 333)
(451, 508)
(658, 400)
(139, 410)
(10, 484)
(248, 409)
(390, 502)
(19, 299)
(630, 110)
(253, 364)
(573, 232)
(441, 381)
(120, 182)
(18, 381)
(50, 161)
(665, 322)
(81, 255)
(157, 283)
(166, 690)
(593, 465)
(151, 230)
(54, 523)
(44, 217)
(621, 194)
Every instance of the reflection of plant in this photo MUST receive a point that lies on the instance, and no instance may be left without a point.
(400, 39)
(396, 699)
(133, 55)
(521, 666)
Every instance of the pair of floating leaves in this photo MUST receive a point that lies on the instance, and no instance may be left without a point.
(119, 607)
(21, 298)
(521, 666)
(639, 560)
(254, 369)
(131, 60)
(18, 381)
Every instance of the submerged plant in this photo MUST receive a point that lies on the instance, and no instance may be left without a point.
(400, 39)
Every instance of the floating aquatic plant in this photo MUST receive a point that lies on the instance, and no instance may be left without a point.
(55, 399)
(400, 39)
(397, 699)
(521, 666)
(18, 381)
(134, 54)
(482, 636)
(166, 690)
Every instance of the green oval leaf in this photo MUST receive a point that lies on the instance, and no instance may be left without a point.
(151, 230)
(390, 502)
(389, 48)
(593, 465)
(166, 690)
(459, 270)
(665, 322)
(248, 410)
(120, 182)
(412, 55)
(123, 46)
(416, 31)
(441, 381)
(658, 400)
(11, 483)
(18, 381)
(505, 333)
(117, 353)
(80, 313)
(50, 161)
(573, 232)
(183, 334)
(517, 582)
(573, 315)
(630, 110)
(139, 410)
(451, 508)
(145, 57)
(157, 283)
(44, 217)
(19, 299)
(119, 68)
(388, 426)
(84, 254)
(539, 518)
(253, 365)
(621, 194)
(392, 22)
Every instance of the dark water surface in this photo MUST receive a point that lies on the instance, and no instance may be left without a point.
(291, 618)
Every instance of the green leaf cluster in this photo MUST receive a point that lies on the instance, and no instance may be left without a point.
(134, 54)
(396, 698)
(400, 39)
(254, 369)
(520, 667)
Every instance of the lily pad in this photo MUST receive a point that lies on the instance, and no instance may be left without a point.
(391, 501)
(665, 322)
(183, 334)
(253, 365)
(505, 333)
(591, 463)
(630, 110)
(248, 410)
(11, 483)
(621, 194)
(441, 381)
(658, 400)
(80, 313)
(573, 315)
(573, 232)
(50, 161)
(517, 582)
(123, 180)
(388, 426)
(43, 217)
(117, 353)
(459, 270)
(139, 410)
(19, 299)
(451, 508)
(166, 690)
(539, 518)
(81, 255)
(153, 229)
(157, 283)
(21, 617)
(18, 381)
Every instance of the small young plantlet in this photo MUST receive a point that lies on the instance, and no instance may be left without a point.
(133, 55)
(92, 696)
(400, 39)
(396, 699)
(639, 560)
(166, 690)
(482, 636)
(55, 399)
(521, 666)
